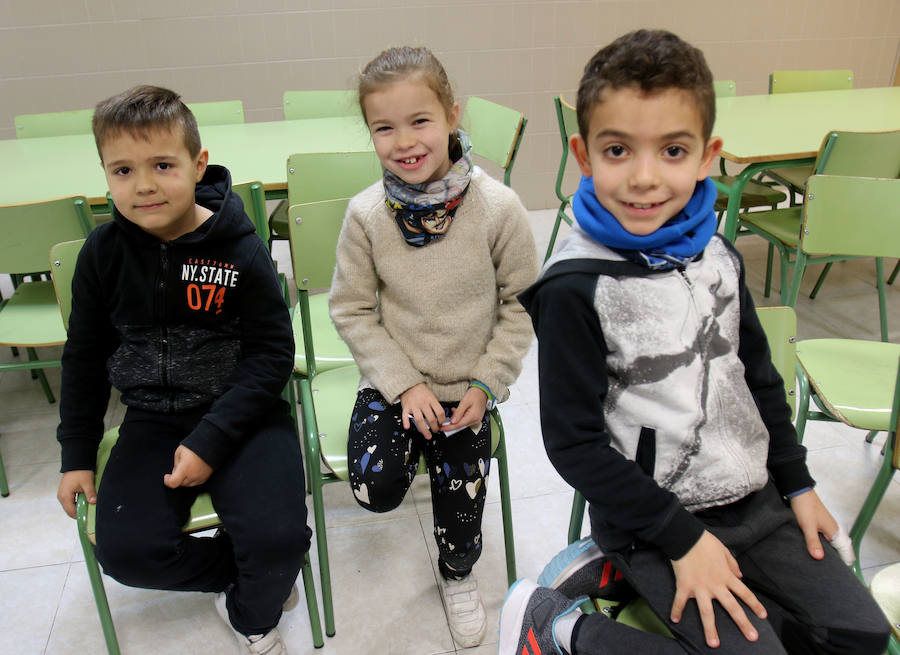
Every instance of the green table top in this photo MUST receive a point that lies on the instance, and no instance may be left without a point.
(51, 167)
(789, 126)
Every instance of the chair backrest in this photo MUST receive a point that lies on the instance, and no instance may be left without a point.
(30, 229)
(319, 104)
(567, 120)
(860, 154)
(780, 326)
(318, 176)
(57, 123)
(791, 81)
(253, 196)
(314, 229)
(724, 88)
(62, 268)
(856, 216)
(223, 112)
(495, 131)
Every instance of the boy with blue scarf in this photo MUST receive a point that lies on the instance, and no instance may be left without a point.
(659, 401)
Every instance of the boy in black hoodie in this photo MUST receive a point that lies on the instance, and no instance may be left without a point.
(177, 304)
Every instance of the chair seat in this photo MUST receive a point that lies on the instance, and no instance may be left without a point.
(331, 351)
(794, 177)
(203, 516)
(781, 224)
(853, 379)
(334, 394)
(754, 195)
(885, 589)
(31, 317)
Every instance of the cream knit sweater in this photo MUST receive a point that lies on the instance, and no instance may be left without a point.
(446, 313)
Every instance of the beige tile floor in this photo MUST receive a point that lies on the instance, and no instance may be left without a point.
(382, 565)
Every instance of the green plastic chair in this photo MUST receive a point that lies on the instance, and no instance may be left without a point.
(801, 81)
(57, 123)
(223, 112)
(253, 196)
(319, 104)
(328, 388)
(780, 326)
(567, 121)
(852, 380)
(30, 318)
(868, 154)
(327, 401)
(495, 131)
(313, 227)
(310, 104)
(63, 257)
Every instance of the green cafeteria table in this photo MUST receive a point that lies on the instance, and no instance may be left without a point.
(774, 131)
(51, 167)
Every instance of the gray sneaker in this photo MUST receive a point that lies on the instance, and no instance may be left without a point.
(527, 618)
(582, 569)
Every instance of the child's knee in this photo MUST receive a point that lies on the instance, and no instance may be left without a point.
(134, 562)
(380, 494)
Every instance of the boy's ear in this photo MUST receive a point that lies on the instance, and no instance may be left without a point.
(202, 161)
(579, 148)
(713, 148)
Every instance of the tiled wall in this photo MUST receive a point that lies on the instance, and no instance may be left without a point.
(67, 54)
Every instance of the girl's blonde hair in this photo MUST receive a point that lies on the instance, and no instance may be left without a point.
(400, 63)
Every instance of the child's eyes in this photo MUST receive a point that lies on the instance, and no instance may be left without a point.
(164, 166)
(122, 170)
(675, 152)
(420, 121)
(615, 151)
(382, 129)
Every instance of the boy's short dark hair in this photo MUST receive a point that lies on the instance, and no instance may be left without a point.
(141, 109)
(651, 60)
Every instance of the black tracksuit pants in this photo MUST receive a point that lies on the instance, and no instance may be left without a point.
(259, 494)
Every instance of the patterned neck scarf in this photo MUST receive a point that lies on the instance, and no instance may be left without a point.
(424, 212)
(676, 243)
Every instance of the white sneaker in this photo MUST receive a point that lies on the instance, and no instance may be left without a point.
(267, 644)
(465, 611)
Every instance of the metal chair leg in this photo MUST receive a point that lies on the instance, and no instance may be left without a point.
(4, 487)
(90, 560)
(32, 357)
(576, 518)
(505, 502)
(312, 603)
(311, 441)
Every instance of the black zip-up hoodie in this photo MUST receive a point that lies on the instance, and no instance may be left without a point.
(197, 324)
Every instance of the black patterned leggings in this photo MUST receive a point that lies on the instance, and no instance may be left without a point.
(383, 459)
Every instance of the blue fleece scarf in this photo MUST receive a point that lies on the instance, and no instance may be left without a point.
(676, 243)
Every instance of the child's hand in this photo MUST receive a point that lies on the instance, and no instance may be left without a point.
(470, 410)
(189, 469)
(709, 572)
(813, 518)
(75, 482)
(424, 407)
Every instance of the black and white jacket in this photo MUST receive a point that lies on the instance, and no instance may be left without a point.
(658, 394)
(194, 324)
